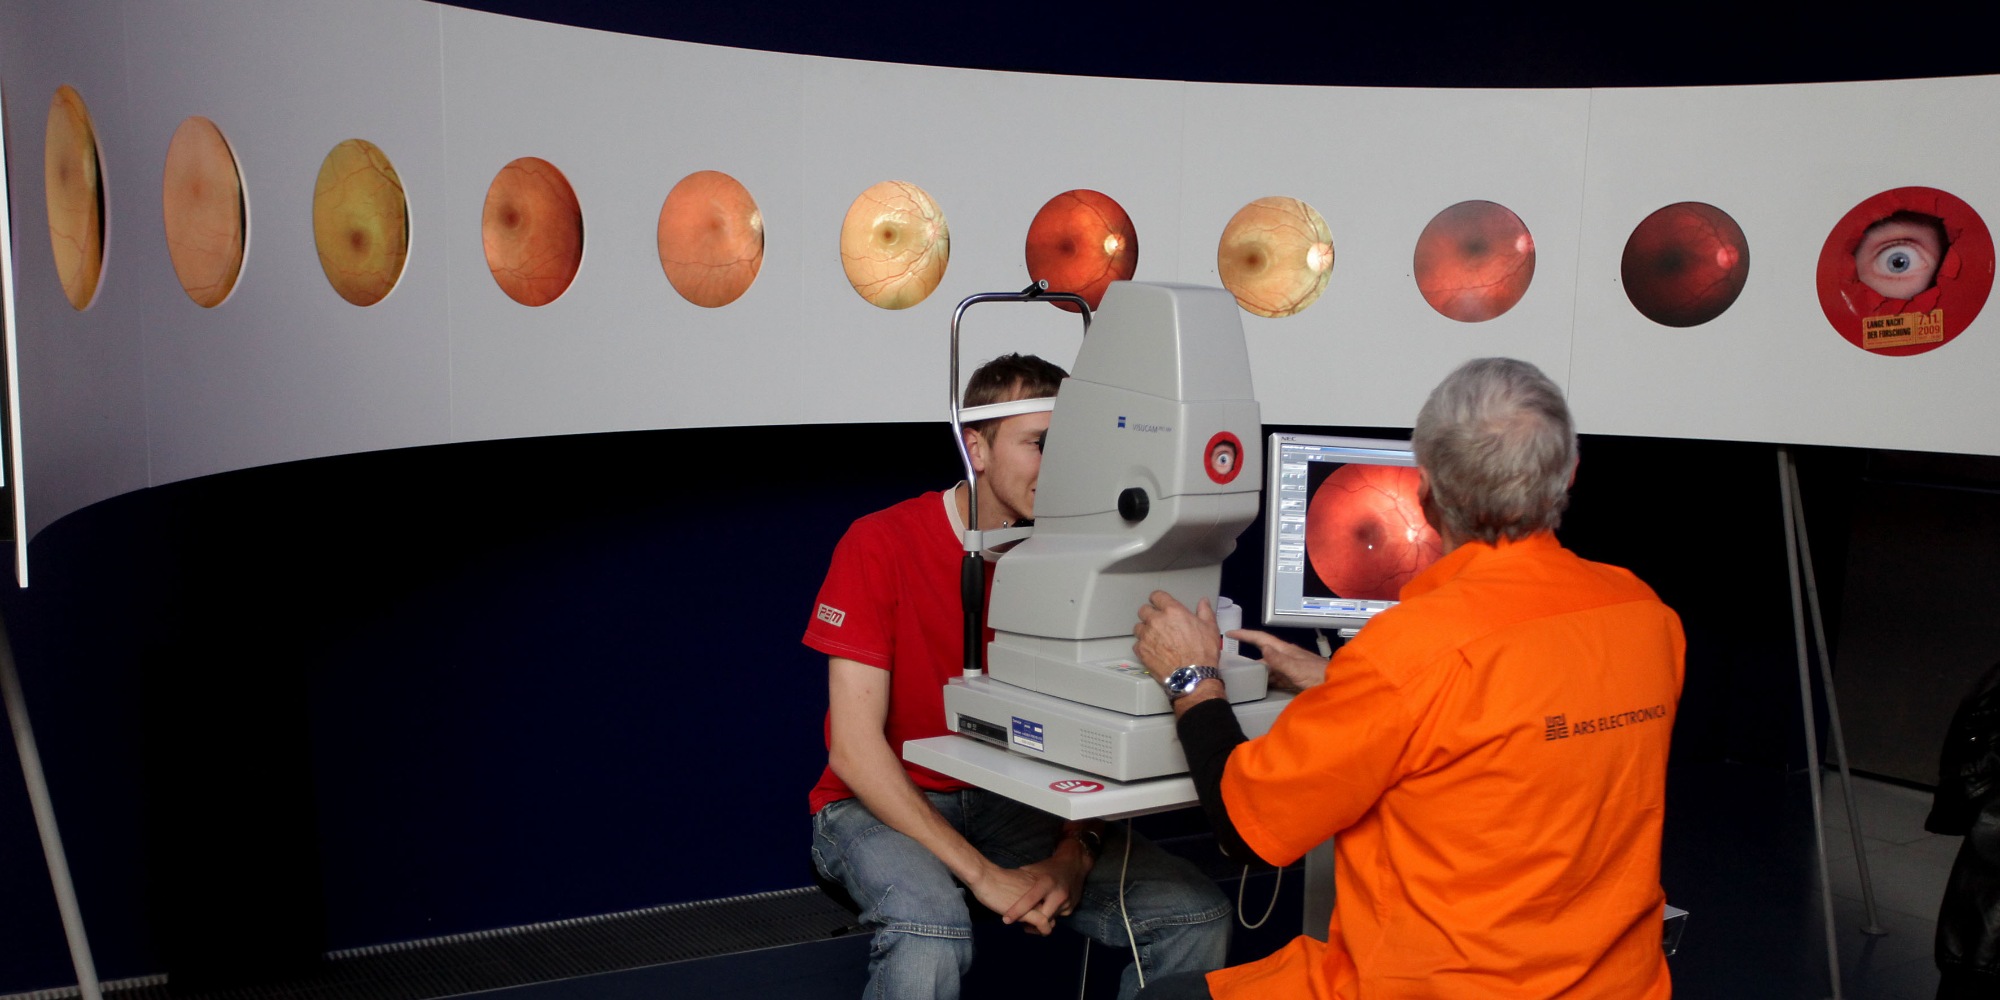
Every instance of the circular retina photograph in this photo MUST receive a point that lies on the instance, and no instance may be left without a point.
(1082, 241)
(1685, 264)
(1275, 256)
(894, 245)
(1474, 261)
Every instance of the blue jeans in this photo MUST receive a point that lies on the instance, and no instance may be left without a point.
(1186, 986)
(923, 933)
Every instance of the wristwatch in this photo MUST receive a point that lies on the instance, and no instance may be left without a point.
(1092, 841)
(1181, 682)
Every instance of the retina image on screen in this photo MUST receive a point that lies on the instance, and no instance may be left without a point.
(1345, 530)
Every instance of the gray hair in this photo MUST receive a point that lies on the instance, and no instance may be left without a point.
(1496, 439)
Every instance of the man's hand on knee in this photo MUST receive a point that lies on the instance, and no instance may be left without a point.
(1066, 871)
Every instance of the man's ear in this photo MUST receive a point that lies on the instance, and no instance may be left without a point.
(1428, 504)
(975, 447)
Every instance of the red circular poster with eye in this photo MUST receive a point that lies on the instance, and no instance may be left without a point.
(1905, 271)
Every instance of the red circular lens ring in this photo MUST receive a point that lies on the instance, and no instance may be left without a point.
(1964, 276)
(1222, 477)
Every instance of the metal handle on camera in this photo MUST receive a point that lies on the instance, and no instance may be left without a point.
(972, 573)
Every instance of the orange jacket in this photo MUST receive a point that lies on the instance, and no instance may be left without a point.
(1492, 753)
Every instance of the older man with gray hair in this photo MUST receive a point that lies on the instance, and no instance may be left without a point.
(1492, 751)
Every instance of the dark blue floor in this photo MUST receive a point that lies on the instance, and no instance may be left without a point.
(1739, 856)
(1009, 964)
(833, 968)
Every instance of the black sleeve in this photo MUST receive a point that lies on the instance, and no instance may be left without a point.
(1209, 733)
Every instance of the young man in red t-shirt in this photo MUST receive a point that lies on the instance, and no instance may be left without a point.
(901, 838)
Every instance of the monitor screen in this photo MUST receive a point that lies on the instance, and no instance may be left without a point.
(1343, 529)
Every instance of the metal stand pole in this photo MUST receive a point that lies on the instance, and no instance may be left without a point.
(45, 821)
(1806, 707)
(1874, 925)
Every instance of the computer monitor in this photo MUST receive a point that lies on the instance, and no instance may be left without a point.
(1343, 529)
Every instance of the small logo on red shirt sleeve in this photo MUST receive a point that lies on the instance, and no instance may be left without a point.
(831, 615)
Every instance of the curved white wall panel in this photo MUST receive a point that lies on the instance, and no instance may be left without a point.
(146, 388)
(621, 349)
(83, 386)
(1378, 164)
(1787, 163)
(991, 148)
(285, 369)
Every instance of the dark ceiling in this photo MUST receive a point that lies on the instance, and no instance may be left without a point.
(1381, 44)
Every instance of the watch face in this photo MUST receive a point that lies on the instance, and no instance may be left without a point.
(1183, 681)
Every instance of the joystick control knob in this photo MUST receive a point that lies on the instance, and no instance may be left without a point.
(1133, 504)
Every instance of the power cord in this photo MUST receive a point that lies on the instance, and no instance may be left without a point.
(1131, 939)
(1083, 978)
(1244, 881)
(1123, 867)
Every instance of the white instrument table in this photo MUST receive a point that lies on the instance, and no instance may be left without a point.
(1076, 795)
(1059, 790)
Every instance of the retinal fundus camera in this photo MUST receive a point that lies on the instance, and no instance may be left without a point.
(1150, 470)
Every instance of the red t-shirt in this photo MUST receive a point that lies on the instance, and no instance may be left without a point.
(1492, 753)
(891, 600)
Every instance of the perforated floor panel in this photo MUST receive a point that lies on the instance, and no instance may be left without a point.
(519, 956)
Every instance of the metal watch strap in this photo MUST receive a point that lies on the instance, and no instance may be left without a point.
(1092, 841)
(1182, 682)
